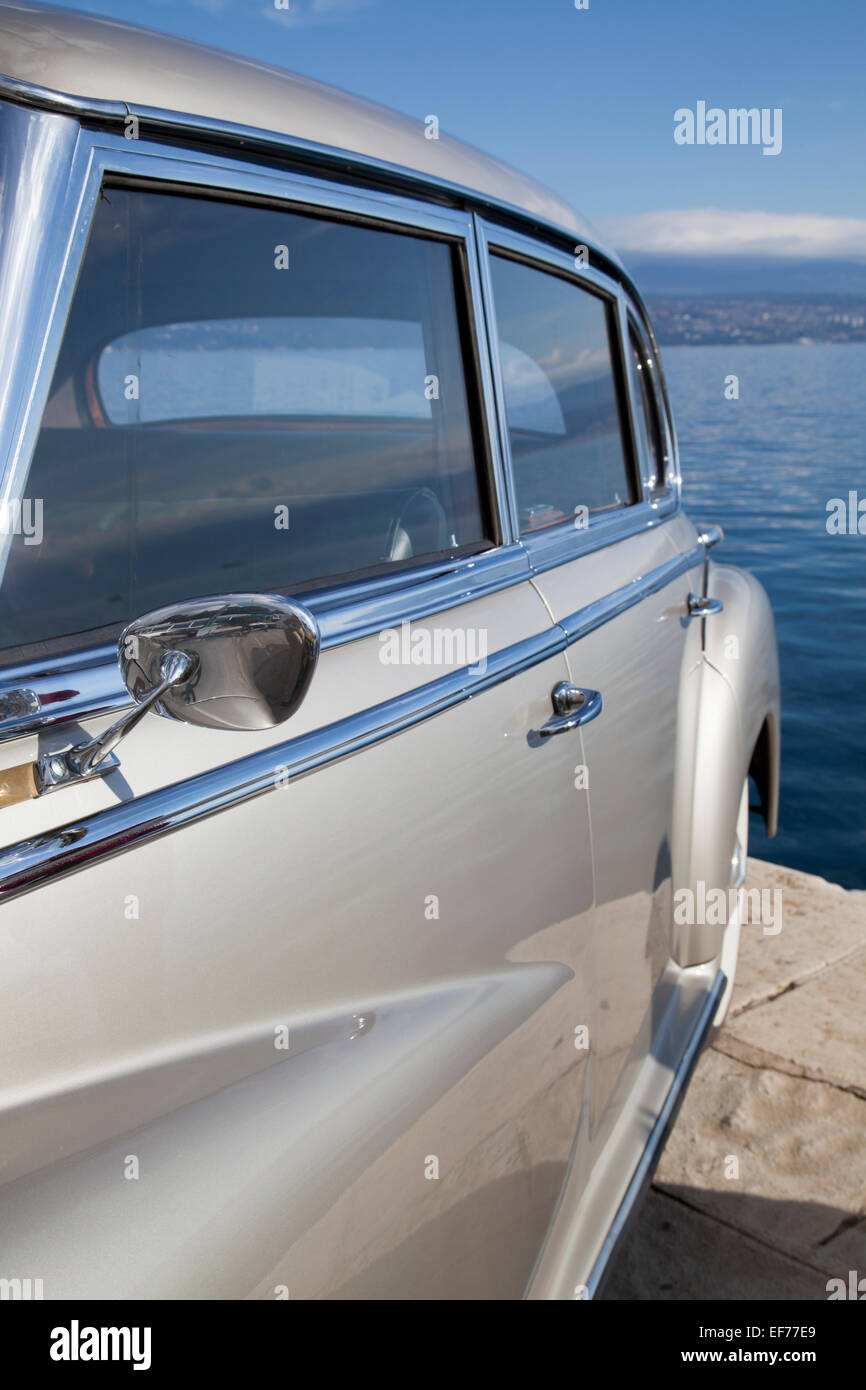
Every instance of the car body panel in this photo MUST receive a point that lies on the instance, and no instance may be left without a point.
(148, 959)
(406, 883)
(730, 698)
(636, 661)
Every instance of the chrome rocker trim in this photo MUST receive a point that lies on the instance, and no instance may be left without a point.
(31, 863)
(661, 1129)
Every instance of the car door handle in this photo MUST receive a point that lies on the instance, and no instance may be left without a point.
(700, 607)
(572, 707)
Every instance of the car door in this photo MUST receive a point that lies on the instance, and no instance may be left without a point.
(591, 453)
(301, 1012)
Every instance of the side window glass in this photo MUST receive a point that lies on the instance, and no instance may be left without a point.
(266, 368)
(246, 398)
(561, 396)
(648, 422)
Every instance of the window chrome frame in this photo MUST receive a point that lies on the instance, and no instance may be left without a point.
(37, 272)
(346, 611)
(557, 544)
(61, 168)
(99, 156)
(636, 310)
(635, 321)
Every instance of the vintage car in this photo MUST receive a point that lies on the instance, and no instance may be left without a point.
(367, 700)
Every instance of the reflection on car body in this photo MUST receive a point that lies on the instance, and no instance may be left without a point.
(372, 963)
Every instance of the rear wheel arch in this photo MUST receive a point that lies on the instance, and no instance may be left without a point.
(764, 772)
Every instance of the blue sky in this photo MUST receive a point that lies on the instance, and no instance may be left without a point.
(585, 100)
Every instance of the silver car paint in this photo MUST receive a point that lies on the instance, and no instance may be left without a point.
(413, 1037)
(728, 698)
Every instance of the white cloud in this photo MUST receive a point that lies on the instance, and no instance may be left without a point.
(712, 232)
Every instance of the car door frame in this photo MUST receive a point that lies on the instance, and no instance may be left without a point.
(345, 613)
(80, 158)
(601, 1191)
(562, 541)
(344, 610)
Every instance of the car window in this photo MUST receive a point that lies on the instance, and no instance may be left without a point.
(246, 398)
(648, 414)
(266, 367)
(533, 404)
(561, 398)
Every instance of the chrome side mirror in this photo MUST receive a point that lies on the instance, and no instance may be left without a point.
(250, 660)
(244, 661)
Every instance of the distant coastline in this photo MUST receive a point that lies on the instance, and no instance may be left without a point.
(697, 320)
(752, 300)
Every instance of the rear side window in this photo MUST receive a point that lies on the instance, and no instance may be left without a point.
(246, 398)
(562, 395)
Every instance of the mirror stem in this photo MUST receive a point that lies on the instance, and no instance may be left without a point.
(83, 759)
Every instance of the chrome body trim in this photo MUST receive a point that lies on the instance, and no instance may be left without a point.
(65, 690)
(499, 422)
(658, 1136)
(558, 544)
(79, 161)
(494, 234)
(37, 273)
(30, 863)
(594, 615)
(636, 309)
(18, 704)
(635, 404)
(87, 684)
(632, 316)
(256, 140)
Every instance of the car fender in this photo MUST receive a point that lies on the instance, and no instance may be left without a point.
(728, 729)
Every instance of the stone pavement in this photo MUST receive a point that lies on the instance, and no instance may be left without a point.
(761, 1189)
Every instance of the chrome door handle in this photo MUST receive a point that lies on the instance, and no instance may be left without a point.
(710, 536)
(572, 707)
(700, 607)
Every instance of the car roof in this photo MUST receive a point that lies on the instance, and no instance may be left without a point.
(105, 60)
